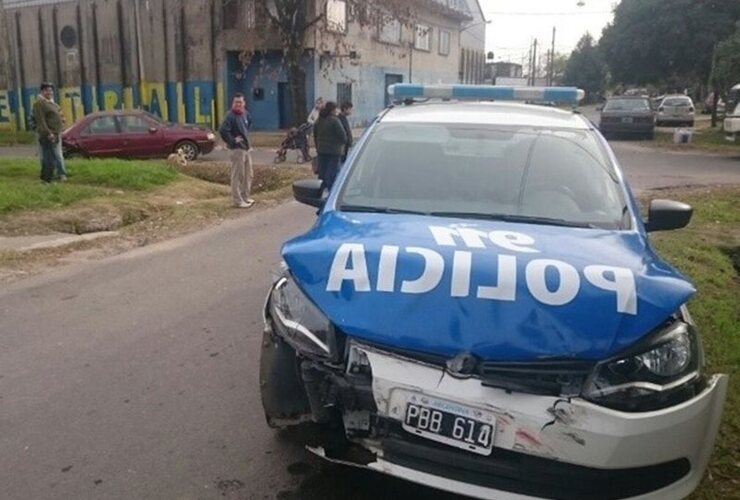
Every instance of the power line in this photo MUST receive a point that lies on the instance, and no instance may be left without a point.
(590, 13)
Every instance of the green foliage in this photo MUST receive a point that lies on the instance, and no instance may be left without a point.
(21, 189)
(653, 41)
(13, 137)
(585, 68)
(726, 63)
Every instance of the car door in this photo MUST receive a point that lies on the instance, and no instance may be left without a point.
(142, 136)
(101, 137)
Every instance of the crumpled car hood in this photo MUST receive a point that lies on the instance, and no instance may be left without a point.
(501, 291)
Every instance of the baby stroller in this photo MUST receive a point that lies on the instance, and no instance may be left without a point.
(297, 138)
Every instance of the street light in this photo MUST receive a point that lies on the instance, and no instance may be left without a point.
(474, 25)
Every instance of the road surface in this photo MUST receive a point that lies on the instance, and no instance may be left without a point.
(136, 377)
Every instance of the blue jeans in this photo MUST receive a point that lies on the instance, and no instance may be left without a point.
(328, 168)
(49, 159)
(61, 169)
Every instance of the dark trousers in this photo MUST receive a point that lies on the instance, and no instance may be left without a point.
(49, 159)
(328, 168)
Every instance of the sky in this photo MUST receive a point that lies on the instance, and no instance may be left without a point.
(514, 24)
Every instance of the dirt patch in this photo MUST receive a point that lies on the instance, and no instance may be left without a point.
(140, 219)
(266, 177)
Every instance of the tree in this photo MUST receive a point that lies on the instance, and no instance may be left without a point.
(559, 63)
(585, 68)
(654, 41)
(725, 68)
(287, 25)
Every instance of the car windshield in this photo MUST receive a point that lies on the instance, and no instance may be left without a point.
(559, 177)
(676, 101)
(627, 105)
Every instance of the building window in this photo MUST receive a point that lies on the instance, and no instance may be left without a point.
(389, 30)
(229, 14)
(444, 42)
(344, 93)
(336, 16)
(423, 37)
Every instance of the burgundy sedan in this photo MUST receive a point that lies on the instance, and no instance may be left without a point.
(135, 134)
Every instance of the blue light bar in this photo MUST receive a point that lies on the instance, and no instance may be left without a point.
(571, 95)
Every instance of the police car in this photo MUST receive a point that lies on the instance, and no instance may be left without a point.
(478, 309)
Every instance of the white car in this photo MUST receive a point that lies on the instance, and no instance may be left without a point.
(478, 309)
(675, 110)
(732, 124)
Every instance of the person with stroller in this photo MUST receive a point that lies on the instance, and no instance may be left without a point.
(331, 140)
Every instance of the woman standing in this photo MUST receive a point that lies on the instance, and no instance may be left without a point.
(330, 139)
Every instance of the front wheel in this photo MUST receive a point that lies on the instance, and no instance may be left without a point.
(189, 150)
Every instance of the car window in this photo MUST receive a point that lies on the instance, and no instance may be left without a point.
(135, 124)
(102, 125)
(627, 105)
(557, 174)
(676, 101)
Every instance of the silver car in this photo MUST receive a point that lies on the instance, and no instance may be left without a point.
(676, 110)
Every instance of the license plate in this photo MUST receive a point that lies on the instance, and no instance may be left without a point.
(450, 423)
(627, 119)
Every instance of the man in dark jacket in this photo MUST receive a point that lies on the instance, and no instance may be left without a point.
(345, 111)
(234, 132)
(331, 140)
(48, 119)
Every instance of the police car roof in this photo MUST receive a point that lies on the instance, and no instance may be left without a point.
(486, 113)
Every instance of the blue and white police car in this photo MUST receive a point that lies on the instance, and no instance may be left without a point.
(478, 309)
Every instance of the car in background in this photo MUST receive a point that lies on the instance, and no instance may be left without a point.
(675, 110)
(709, 105)
(135, 134)
(627, 115)
(732, 124)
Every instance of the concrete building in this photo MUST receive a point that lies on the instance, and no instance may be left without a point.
(182, 59)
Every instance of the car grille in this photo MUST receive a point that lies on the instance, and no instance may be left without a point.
(553, 378)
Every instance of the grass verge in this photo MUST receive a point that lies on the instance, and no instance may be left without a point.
(704, 139)
(708, 252)
(140, 210)
(13, 137)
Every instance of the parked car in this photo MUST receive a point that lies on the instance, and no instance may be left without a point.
(627, 115)
(478, 309)
(135, 134)
(675, 110)
(709, 104)
(732, 124)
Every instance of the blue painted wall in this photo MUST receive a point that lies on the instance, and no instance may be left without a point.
(263, 72)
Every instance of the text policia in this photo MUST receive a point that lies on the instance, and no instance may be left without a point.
(350, 264)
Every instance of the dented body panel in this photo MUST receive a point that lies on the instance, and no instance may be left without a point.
(565, 430)
(500, 291)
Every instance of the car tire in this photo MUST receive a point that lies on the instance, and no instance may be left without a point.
(190, 150)
(690, 124)
(282, 391)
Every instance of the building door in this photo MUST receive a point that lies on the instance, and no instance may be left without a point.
(390, 79)
(344, 93)
(285, 105)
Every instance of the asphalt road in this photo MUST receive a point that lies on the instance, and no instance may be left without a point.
(136, 376)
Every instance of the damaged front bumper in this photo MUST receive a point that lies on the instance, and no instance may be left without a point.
(543, 447)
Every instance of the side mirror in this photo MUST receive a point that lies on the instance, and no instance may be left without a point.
(665, 215)
(309, 191)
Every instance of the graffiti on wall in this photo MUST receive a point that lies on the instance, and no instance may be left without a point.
(192, 102)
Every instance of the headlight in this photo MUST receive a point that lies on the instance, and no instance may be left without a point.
(298, 320)
(211, 137)
(660, 372)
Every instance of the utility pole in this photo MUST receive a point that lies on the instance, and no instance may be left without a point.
(552, 58)
(534, 63)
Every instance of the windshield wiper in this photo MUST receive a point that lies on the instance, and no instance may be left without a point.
(526, 219)
(378, 210)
